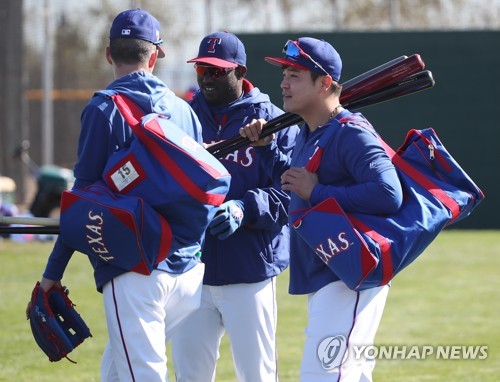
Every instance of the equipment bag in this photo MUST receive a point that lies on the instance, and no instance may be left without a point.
(169, 170)
(120, 230)
(367, 251)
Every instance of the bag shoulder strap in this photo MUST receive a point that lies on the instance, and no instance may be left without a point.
(129, 110)
(354, 118)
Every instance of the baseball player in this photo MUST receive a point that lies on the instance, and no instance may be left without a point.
(246, 244)
(141, 311)
(356, 171)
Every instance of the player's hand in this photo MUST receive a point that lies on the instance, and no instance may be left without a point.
(228, 219)
(300, 181)
(208, 145)
(252, 131)
(46, 285)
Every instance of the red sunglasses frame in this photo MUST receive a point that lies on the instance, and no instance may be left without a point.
(213, 71)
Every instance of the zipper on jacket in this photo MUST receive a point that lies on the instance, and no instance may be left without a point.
(219, 126)
(218, 133)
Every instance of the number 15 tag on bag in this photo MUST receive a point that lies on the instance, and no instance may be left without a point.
(124, 176)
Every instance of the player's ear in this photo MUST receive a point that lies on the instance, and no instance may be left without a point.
(152, 58)
(240, 72)
(108, 55)
(326, 82)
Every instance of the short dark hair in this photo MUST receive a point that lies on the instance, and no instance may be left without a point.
(336, 87)
(130, 51)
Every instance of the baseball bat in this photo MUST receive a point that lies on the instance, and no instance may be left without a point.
(389, 75)
(48, 226)
(31, 230)
(359, 87)
(29, 220)
(410, 85)
(372, 72)
(221, 149)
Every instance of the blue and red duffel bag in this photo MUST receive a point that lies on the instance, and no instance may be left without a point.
(367, 251)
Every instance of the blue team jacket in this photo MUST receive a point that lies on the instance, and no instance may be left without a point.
(355, 170)
(259, 249)
(103, 131)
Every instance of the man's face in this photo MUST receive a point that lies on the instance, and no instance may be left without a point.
(219, 86)
(298, 89)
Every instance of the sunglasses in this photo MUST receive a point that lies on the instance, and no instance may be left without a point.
(212, 71)
(292, 49)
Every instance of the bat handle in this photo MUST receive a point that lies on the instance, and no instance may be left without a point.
(274, 125)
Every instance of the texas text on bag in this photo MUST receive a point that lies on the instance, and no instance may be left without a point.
(366, 251)
(170, 171)
(122, 231)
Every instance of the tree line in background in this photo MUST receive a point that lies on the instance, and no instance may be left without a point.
(79, 59)
(80, 39)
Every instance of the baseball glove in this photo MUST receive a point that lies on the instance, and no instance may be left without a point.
(56, 325)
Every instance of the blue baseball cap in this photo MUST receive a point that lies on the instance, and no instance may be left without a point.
(221, 49)
(307, 53)
(139, 24)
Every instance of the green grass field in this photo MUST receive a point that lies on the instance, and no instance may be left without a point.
(449, 296)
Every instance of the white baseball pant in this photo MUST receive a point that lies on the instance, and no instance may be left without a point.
(248, 313)
(142, 312)
(338, 319)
